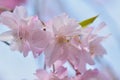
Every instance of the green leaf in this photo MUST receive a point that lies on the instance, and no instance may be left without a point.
(87, 22)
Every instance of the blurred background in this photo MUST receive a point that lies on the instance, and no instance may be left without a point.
(13, 66)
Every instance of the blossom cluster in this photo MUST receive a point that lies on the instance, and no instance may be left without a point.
(61, 39)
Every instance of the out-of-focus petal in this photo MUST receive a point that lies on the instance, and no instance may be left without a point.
(10, 4)
(9, 19)
(96, 47)
(42, 74)
(6, 36)
(21, 12)
(94, 75)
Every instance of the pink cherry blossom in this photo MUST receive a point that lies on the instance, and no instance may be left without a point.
(27, 32)
(10, 4)
(60, 74)
(93, 40)
(88, 75)
(61, 47)
(95, 46)
(90, 41)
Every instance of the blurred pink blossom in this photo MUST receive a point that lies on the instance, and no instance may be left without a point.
(88, 75)
(93, 40)
(10, 4)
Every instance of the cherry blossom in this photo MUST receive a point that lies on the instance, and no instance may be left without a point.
(95, 46)
(91, 39)
(61, 47)
(88, 75)
(27, 32)
(62, 40)
(61, 73)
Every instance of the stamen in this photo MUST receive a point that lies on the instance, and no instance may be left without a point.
(61, 39)
(21, 38)
(44, 29)
(92, 50)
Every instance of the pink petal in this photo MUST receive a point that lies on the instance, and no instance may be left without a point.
(61, 72)
(96, 47)
(25, 49)
(93, 75)
(52, 53)
(42, 75)
(8, 19)
(65, 26)
(6, 36)
(10, 4)
(21, 12)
